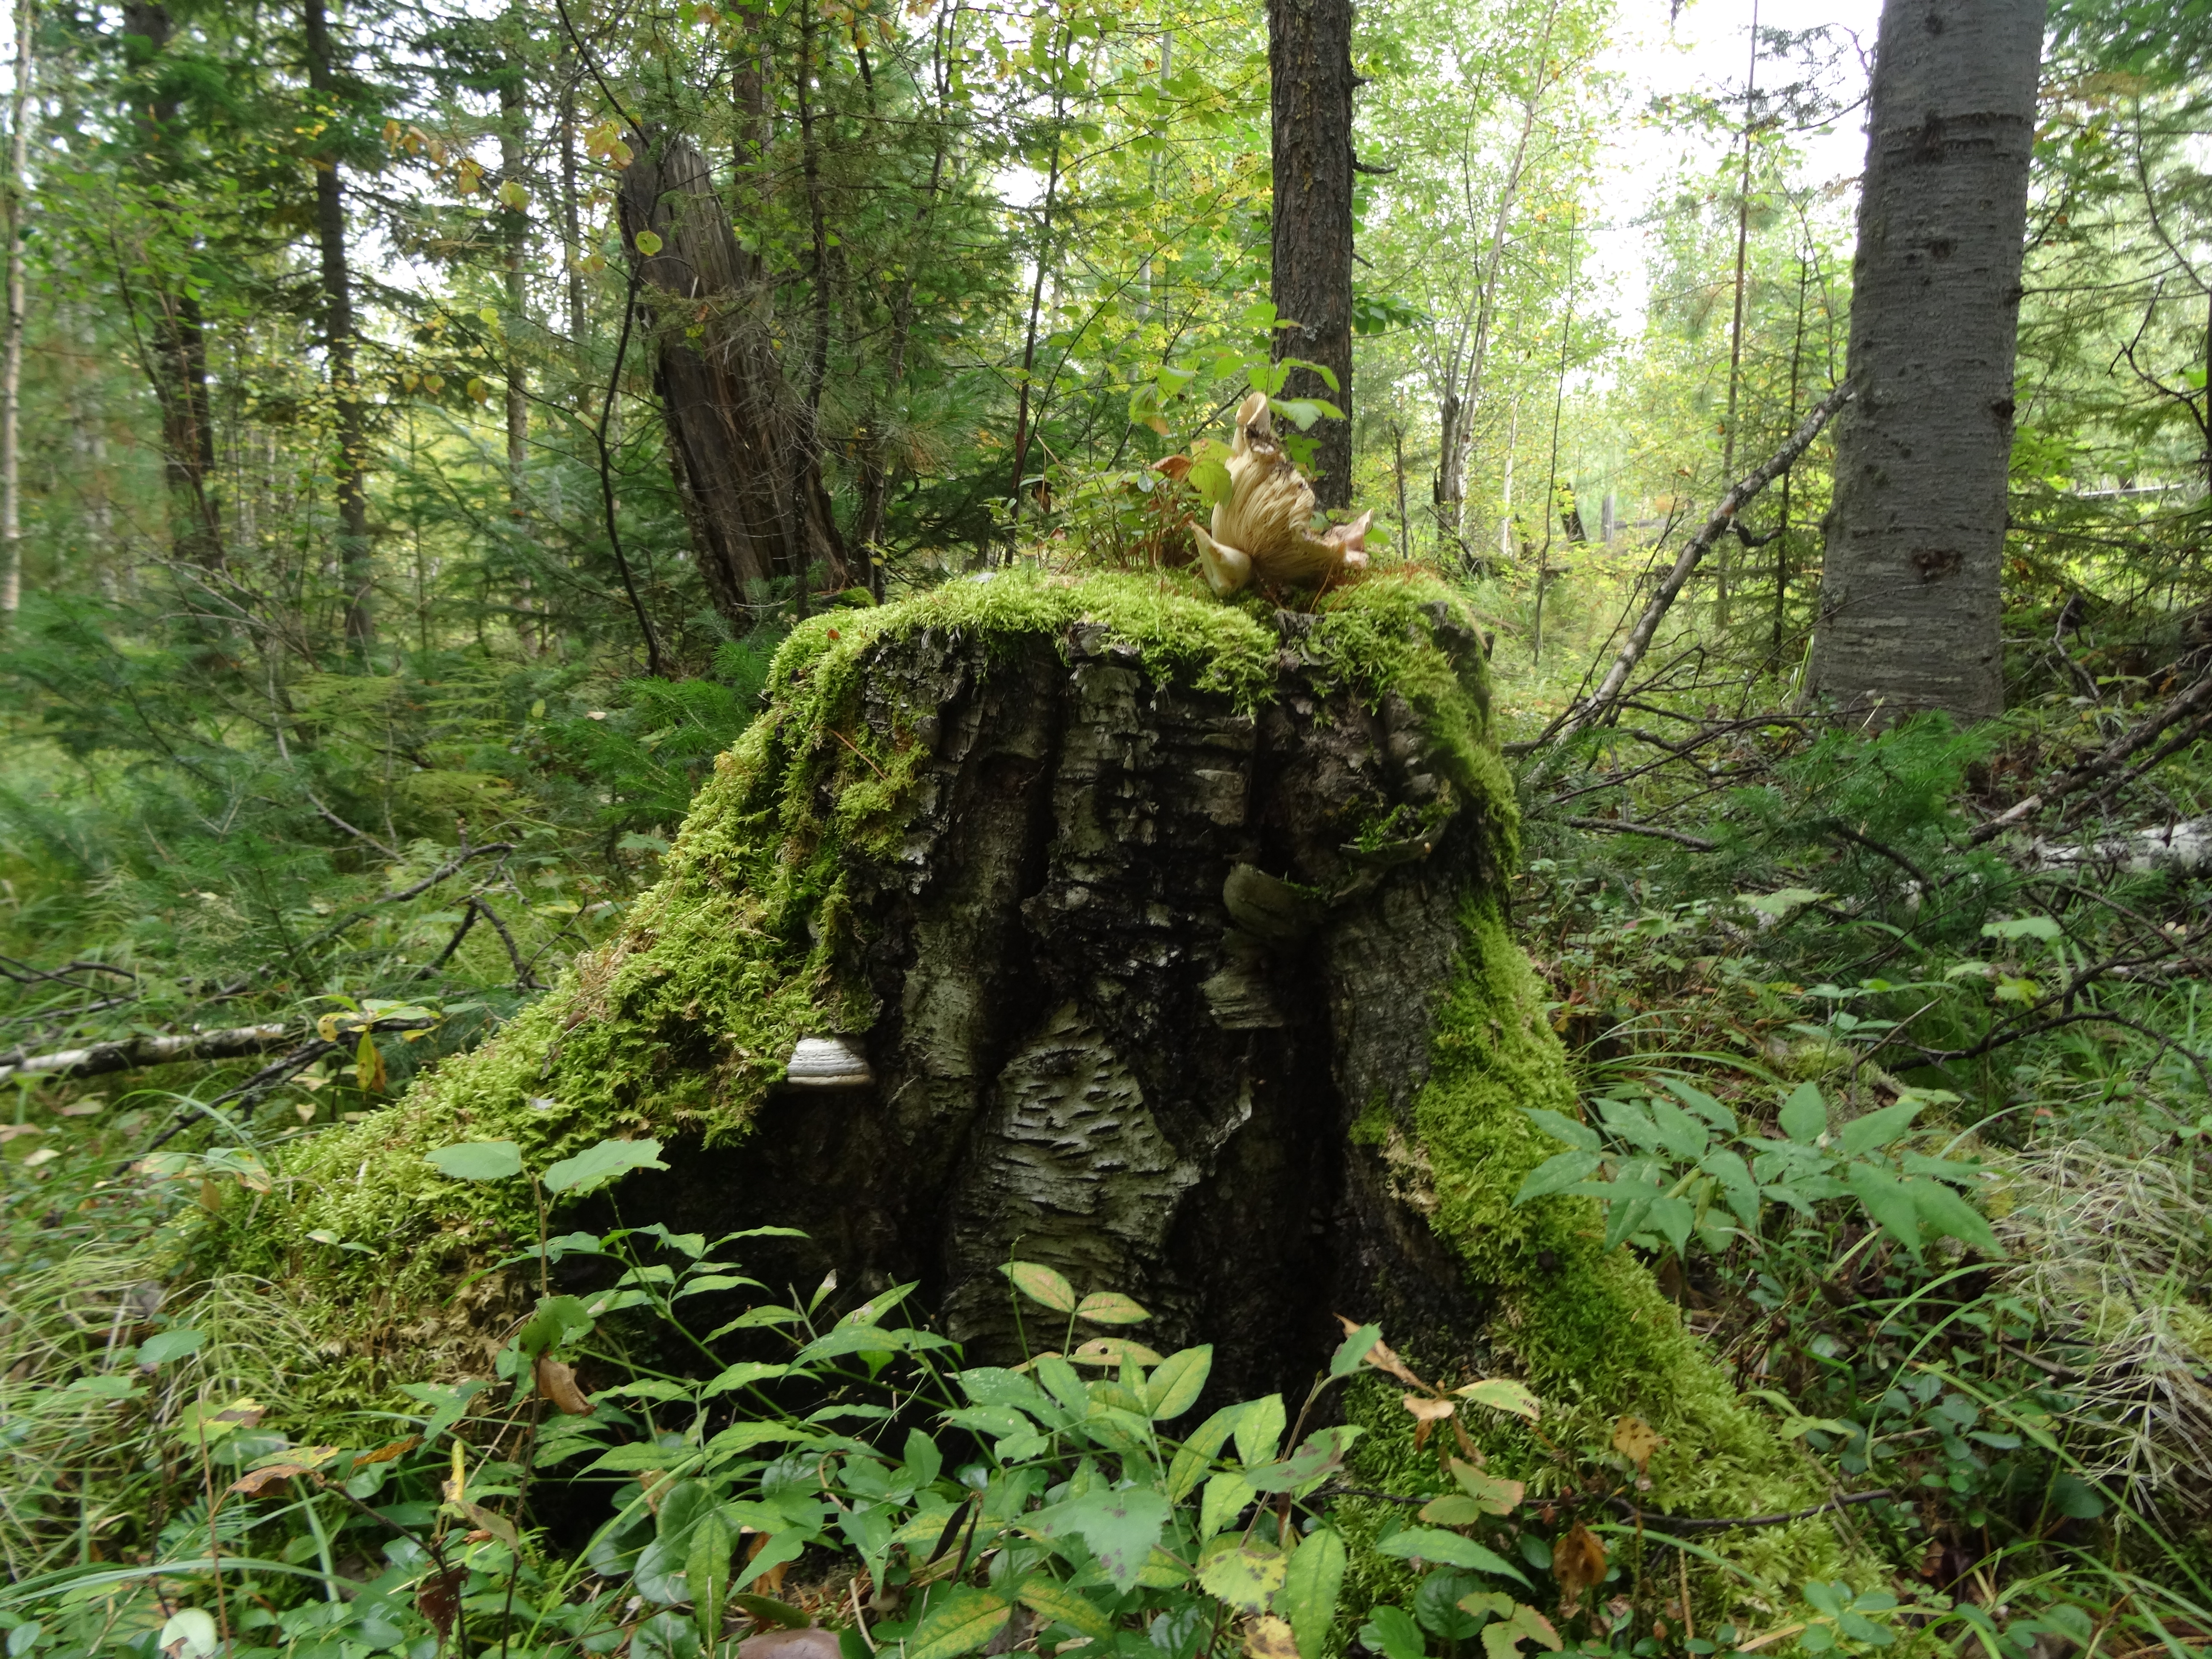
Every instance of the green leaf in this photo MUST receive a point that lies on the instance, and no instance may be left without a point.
(1041, 1284)
(960, 1619)
(1310, 1586)
(1728, 1167)
(647, 243)
(744, 1373)
(1391, 1632)
(1560, 1127)
(1805, 1114)
(1259, 1429)
(707, 1575)
(1679, 1132)
(1632, 1205)
(1355, 1348)
(1674, 1218)
(1196, 1453)
(1119, 1528)
(165, 1345)
(1944, 1214)
(1226, 1495)
(1554, 1174)
(1244, 1572)
(477, 1160)
(1887, 1202)
(1448, 1549)
(1704, 1105)
(2042, 928)
(1877, 1129)
(784, 1546)
(1210, 478)
(1176, 1383)
(595, 1166)
(1110, 1308)
(1057, 1604)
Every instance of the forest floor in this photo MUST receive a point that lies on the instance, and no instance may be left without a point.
(1731, 904)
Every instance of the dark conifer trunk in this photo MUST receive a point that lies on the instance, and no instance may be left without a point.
(176, 340)
(340, 342)
(1909, 598)
(1311, 82)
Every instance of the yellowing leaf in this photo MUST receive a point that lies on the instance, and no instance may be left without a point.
(1112, 1351)
(1636, 1440)
(511, 195)
(1041, 1284)
(1502, 1394)
(1270, 1638)
(368, 1066)
(648, 243)
(1244, 1573)
(1110, 1308)
(1577, 1562)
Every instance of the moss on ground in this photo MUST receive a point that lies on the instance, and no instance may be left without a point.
(682, 1023)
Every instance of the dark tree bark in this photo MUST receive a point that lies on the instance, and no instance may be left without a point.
(175, 345)
(744, 444)
(1909, 598)
(1309, 97)
(1113, 1036)
(340, 343)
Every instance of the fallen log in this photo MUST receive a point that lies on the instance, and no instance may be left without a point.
(130, 1053)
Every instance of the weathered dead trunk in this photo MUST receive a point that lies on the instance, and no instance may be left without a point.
(747, 459)
(1136, 985)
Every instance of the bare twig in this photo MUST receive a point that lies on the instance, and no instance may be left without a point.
(1617, 827)
(1740, 494)
(130, 1052)
(2197, 699)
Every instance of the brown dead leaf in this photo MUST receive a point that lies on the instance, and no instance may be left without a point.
(438, 1599)
(655, 1483)
(1426, 1410)
(252, 1485)
(1176, 466)
(1578, 1563)
(1384, 1358)
(771, 1582)
(385, 1454)
(1270, 1638)
(1636, 1440)
(557, 1382)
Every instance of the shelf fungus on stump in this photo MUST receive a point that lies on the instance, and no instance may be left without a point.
(1262, 529)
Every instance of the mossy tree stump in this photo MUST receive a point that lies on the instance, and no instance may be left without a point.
(1137, 961)
(1172, 935)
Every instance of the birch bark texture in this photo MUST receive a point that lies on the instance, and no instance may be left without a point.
(1909, 600)
(1309, 96)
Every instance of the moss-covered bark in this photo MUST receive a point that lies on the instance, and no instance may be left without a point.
(1171, 931)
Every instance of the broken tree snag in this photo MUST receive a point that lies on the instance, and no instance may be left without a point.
(749, 470)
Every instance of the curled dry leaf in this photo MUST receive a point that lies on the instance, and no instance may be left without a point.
(1578, 1563)
(252, 1485)
(1428, 1410)
(557, 1382)
(1636, 1440)
(1385, 1358)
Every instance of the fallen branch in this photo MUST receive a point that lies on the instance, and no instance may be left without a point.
(1639, 637)
(1616, 827)
(1685, 1524)
(2107, 760)
(2185, 848)
(130, 1053)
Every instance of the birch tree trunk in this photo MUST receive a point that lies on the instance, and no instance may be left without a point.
(1909, 598)
(11, 350)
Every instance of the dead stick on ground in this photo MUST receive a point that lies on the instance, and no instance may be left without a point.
(1739, 496)
(2114, 755)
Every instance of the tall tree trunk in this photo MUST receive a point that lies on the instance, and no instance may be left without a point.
(1022, 430)
(1909, 598)
(571, 235)
(340, 342)
(1310, 99)
(749, 466)
(1736, 322)
(12, 349)
(176, 351)
(514, 231)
